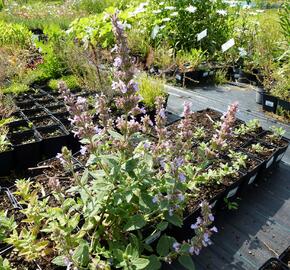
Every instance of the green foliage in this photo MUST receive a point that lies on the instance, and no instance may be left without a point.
(220, 77)
(15, 88)
(284, 15)
(179, 27)
(4, 142)
(150, 88)
(70, 80)
(14, 35)
(52, 65)
(5, 265)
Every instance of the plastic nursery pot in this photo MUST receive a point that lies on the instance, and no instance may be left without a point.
(259, 95)
(273, 264)
(270, 103)
(285, 257)
(34, 112)
(251, 174)
(56, 109)
(284, 104)
(6, 161)
(19, 126)
(280, 145)
(171, 118)
(43, 121)
(27, 105)
(26, 149)
(45, 102)
(53, 138)
(268, 157)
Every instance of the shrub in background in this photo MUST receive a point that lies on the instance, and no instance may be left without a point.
(70, 80)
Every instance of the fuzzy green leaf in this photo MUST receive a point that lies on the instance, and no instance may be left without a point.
(187, 262)
(135, 223)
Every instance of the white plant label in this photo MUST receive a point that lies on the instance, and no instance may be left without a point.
(178, 77)
(202, 35)
(205, 74)
(270, 162)
(252, 179)
(269, 103)
(228, 45)
(232, 192)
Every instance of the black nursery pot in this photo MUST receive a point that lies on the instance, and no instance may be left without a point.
(270, 103)
(280, 149)
(53, 138)
(285, 257)
(34, 112)
(273, 264)
(285, 105)
(43, 121)
(19, 126)
(6, 161)
(26, 149)
(251, 176)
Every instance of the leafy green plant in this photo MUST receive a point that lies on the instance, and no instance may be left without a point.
(231, 205)
(15, 88)
(14, 35)
(5, 265)
(150, 88)
(247, 128)
(4, 142)
(220, 77)
(258, 148)
(7, 225)
(277, 134)
(70, 80)
(199, 133)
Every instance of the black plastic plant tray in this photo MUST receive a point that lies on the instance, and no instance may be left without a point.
(280, 149)
(250, 177)
(26, 154)
(52, 145)
(56, 109)
(27, 105)
(45, 102)
(6, 162)
(269, 162)
(34, 112)
(43, 121)
(285, 257)
(19, 126)
(274, 264)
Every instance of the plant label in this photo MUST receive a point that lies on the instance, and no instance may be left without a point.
(280, 157)
(269, 103)
(270, 162)
(252, 179)
(232, 192)
(228, 45)
(178, 77)
(201, 35)
(205, 74)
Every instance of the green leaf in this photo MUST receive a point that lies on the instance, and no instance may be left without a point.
(154, 263)
(135, 223)
(175, 220)
(163, 245)
(152, 238)
(162, 226)
(59, 260)
(116, 135)
(187, 262)
(81, 254)
(140, 263)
